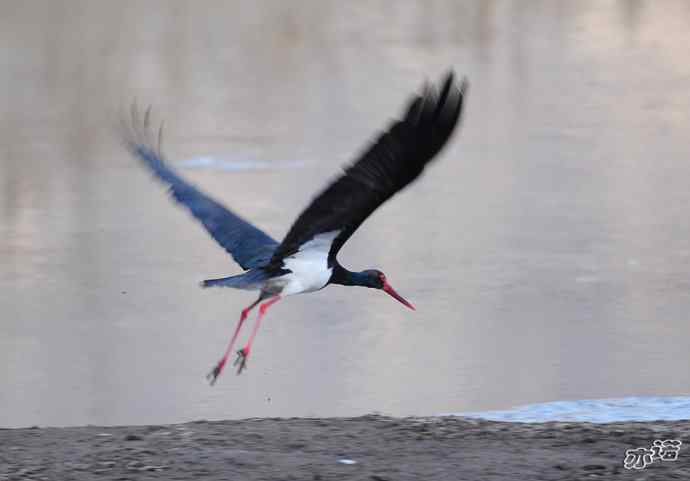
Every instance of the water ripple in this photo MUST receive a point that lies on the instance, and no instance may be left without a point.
(654, 408)
(233, 165)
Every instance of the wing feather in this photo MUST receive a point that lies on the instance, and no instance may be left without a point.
(396, 158)
(249, 246)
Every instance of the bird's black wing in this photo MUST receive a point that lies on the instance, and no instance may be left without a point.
(248, 245)
(393, 161)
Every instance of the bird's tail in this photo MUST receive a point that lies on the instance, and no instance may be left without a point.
(251, 280)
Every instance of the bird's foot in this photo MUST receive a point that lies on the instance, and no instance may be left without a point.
(241, 360)
(215, 372)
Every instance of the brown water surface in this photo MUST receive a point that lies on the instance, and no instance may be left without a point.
(547, 252)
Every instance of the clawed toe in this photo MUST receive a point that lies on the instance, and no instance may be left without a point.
(215, 372)
(241, 360)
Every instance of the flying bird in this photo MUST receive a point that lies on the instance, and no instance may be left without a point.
(306, 259)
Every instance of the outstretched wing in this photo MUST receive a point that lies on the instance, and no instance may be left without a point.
(248, 245)
(393, 161)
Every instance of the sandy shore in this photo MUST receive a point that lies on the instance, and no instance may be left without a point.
(364, 448)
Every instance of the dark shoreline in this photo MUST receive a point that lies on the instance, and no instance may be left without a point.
(383, 448)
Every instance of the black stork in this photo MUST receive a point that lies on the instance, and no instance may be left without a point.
(305, 261)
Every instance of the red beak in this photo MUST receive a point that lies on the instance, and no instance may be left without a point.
(391, 292)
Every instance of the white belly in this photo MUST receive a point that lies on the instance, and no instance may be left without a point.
(309, 266)
(304, 280)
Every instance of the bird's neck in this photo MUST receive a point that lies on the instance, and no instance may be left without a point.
(343, 277)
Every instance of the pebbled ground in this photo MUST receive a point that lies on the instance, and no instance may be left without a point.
(382, 448)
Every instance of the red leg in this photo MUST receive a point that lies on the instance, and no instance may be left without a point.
(213, 375)
(243, 353)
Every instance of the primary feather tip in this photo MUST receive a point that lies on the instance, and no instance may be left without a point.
(449, 80)
(453, 94)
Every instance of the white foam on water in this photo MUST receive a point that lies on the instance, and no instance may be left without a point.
(652, 408)
(233, 165)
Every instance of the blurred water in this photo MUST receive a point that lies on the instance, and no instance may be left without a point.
(229, 164)
(650, 408)
(547, 251)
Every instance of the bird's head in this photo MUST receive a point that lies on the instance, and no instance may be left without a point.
(377, 280)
